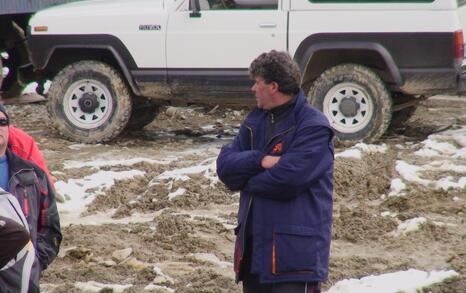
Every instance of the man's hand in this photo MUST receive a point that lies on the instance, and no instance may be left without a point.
(269, 161)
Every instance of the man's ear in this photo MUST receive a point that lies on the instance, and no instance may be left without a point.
(274, 86)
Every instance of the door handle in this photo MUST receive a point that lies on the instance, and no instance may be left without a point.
(268, 25)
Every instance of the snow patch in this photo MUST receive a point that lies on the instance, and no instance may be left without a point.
(178, 192)
(102, 218)
(388, 214)
(78, 192)
(434, 148)
(445, 166)
(372, 148)
(396, 187)
(447, 183)
(153, 287)
(442, 224)
(92, 286)
(208, 167)
(79, 146)
(351, 153)
(433, 145)
(209, 127)
(161, 277)
(98, 163)
(409, 172)
(410, 281)
(409, 225)
(359, 148)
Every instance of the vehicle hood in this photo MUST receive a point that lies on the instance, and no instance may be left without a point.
(98, 16)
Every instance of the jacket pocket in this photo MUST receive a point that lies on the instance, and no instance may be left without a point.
(294, 250)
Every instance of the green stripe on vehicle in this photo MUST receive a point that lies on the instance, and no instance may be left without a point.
(370, 1)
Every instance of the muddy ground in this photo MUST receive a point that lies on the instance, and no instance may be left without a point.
(184, 232)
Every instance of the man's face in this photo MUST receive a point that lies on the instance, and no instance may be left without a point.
(264, 93)
(3, 135)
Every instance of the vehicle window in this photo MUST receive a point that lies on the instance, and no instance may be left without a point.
(372, 1)
(238, 4)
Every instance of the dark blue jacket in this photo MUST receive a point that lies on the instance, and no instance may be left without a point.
(30, 185)
(291, 203)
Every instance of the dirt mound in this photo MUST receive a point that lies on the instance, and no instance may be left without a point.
(359, 224)
(420, 200)
(358, 266)
(206, 281)
(367, 178)
(140, 195)
(177, 233)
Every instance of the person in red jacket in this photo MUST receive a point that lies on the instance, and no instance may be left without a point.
(26, 148)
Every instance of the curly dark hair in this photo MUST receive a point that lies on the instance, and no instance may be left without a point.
(279, 67)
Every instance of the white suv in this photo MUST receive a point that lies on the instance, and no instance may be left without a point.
(364, 63)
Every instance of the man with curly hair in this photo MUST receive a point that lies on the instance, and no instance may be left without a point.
(282, 162)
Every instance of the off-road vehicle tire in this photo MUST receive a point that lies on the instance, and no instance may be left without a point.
(89, 102)
(399, 118)
(143, 113)
(355, 100)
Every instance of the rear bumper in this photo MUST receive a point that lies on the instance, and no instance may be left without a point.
(429, 82)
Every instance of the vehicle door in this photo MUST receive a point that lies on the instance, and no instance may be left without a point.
(212, 50)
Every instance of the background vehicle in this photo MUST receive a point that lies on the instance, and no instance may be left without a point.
(365, 64)
(14, 18)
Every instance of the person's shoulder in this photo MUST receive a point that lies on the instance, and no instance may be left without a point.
(18, 134)
(19, 140)
(16, 162)
(311, 116)
(254, 116)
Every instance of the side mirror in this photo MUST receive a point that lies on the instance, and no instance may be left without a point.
(195, 8)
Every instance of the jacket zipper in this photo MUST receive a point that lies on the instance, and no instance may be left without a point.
(25, 198)
(251, 198)
(251, 135)
(249, 205)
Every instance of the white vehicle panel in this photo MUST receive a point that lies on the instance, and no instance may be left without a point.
(123, 20)
(306, 23)
(223, 38)
(386, 6)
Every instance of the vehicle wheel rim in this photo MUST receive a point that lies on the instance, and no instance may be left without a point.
(88, 104)
(348, 107)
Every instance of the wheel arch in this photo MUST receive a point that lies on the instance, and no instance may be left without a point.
(51, 53)
(317, 53)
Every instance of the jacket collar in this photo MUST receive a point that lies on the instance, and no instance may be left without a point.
(255, 117)
(17, 164)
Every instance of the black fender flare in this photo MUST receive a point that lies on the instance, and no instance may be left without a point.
(43, 47)
(321, 42)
